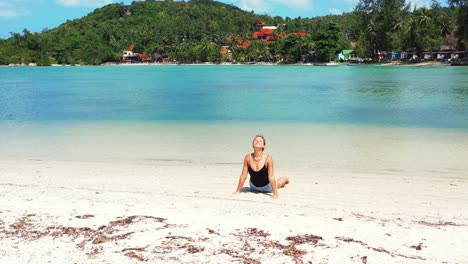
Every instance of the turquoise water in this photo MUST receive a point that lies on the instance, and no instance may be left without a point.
(434, 97)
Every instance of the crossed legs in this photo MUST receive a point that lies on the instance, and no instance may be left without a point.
(282, 181)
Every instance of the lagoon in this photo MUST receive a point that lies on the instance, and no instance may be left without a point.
(374, 119)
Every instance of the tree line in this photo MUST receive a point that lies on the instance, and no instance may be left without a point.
(195, 31)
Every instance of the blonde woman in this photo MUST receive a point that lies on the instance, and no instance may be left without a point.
(260, 168)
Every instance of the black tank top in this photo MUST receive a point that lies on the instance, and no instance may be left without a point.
(259, 178)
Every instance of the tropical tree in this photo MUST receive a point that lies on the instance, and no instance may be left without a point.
(421, 34)
(195, 30)
(329, 42)
(256, 50)
(462, 22)
(380, 19)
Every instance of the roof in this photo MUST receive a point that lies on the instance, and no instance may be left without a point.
(346, 52)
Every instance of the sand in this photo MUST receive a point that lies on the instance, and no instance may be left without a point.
(371, 203)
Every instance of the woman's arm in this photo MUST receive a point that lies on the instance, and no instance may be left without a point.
(271, 176)
(243, 175)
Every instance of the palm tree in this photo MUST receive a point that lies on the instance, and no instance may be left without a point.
(280, 30)
(425, 25)
(205, 43)
(253, 51)
(371, 32)
(264, 50)
(419, 30)
(423, 18)
(307, 45)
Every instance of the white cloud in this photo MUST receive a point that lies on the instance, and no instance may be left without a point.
(8, 10)
(13, 13)
(266, 6)
(78, 3)
(297, 4)
(419, 3)
(258, 6)
(335, 11)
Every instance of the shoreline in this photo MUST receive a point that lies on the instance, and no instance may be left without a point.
(334, 146)
(395, 63)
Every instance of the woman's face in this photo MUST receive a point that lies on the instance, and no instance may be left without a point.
(258, 143)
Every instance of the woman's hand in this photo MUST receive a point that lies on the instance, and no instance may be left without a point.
(275, 196)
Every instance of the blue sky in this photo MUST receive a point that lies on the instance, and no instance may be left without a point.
(36, 15)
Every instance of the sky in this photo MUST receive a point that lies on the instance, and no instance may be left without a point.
(37, 15)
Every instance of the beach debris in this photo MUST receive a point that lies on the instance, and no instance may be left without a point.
(238, 255)
(418, 246)
(302, 239)
(211, 231)
(439, 224)
(295, 253)
(194, 249)
(86, 216)
(180, 238)
(135, 249)
(134, 255)
(176, 242)
(101, 239)
(255, 232)
(94, 252)
(380, 249)
(338, 219)
(364, 259)
(364, 217)
(251, 242)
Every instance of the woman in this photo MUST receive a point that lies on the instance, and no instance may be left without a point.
(260, 168)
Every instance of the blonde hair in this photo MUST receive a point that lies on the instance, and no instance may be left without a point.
(260, 136)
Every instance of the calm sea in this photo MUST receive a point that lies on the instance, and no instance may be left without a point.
(434, 97)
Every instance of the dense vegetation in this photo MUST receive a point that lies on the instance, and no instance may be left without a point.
(195, 31)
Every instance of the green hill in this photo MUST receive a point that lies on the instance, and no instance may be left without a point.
(195, 31)
(151, 26)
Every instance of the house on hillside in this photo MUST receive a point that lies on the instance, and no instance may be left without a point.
(128, 56)
(346, 55)
(265, 33)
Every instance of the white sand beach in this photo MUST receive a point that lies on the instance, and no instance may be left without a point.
(131, 194)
